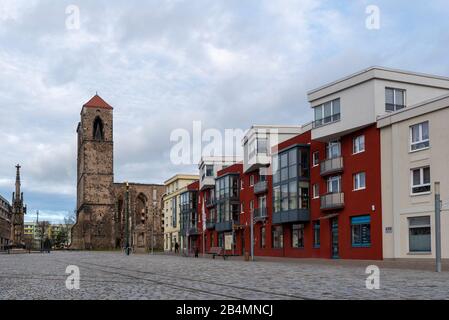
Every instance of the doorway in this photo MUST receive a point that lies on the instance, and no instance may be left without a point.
(334, 238)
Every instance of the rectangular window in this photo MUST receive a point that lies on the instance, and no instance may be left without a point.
(251, 206)
(327, 113)
(333, 149)
(316, 234)
(277, 237)
(298, 236)
(251, 180)
(316, 191)
(284, 197)
(419, 234)
(361, 231)
(209, 170)
(334, 184)
(420, 180)
(419, 136)
(359, 144)
(316, 159)
(242, 207)
(394, 99)
(262, 237)
(277, 198)
(360, 181)
(262, 146)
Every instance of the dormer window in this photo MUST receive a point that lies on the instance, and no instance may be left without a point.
(394, 99)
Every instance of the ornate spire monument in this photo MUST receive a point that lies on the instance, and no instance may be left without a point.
(18, 214)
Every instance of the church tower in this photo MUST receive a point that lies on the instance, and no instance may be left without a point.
(18, 214)
(95, 204)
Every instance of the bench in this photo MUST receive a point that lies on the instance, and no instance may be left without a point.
(217, 251)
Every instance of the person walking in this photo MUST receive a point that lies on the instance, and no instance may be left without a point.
(176, 248)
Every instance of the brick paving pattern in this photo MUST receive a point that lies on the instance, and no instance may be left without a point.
(109, 275)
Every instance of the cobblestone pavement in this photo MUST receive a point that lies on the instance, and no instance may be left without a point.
(107, 275)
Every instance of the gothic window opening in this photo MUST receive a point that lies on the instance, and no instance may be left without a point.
(141, 209)
(98, 129)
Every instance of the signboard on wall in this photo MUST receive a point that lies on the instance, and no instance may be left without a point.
(228, 241)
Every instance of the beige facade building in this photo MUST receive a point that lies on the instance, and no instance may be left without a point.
(415, 154)
(172, 210)
(5, 222)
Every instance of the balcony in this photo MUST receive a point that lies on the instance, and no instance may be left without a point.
(223, 226)
(298, 215)
(261, 187)
(331, 166)
(210, 224)
(332, 201)
(327, 120)
(260, 214)
(193, 231)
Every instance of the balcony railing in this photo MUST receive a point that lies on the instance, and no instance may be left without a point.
(332, 201)
(260, 213)
(261, 187)
(210, 224)
(324, 121)
(331, 166)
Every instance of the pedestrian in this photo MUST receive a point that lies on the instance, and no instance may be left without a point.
(197, 251)
(176, 248)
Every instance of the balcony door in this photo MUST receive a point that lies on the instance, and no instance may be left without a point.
(334, 238)
(333, 149)
(334, 184)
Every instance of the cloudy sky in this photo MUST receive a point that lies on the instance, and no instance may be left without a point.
(164, 64)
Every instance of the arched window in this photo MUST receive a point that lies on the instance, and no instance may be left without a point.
(98, 129)
(141, 210)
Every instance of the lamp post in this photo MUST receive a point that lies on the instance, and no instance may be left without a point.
(438, 226)
(127, 219)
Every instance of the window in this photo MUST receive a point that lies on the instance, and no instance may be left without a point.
(251, 206)
(291, 187)
(333, 149)
(359, 144)
(242, 207)
(419, 234)
(316, 234)
(251, 180)
(262, 237)
(98, 129)
(278, 237)
(242, 184)
(316, 191)
(419, 136)
(394, 99)
(420, 180)
(209, 170)
(262, 145)
(360, 181)
(361, 231)
(334, 184)
(316, 159)
(298, 236)
(327, 113)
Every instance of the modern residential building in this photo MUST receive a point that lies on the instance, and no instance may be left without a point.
(172, 209)
(415, 153)
(5, 222)
(190, 215)
(356, 183)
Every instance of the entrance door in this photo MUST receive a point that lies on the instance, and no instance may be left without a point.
(334, 238)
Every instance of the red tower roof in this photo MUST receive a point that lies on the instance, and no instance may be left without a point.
(97, 102)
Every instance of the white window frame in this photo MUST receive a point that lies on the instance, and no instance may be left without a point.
(420, 130)
(394, 98)
(356, 144)
(251, 180)
(321, 107)
(316, 191)
(421, 178)
(316, 160)
(356, 181)
(329, 183)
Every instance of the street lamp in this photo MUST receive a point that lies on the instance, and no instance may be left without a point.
(127, 249)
